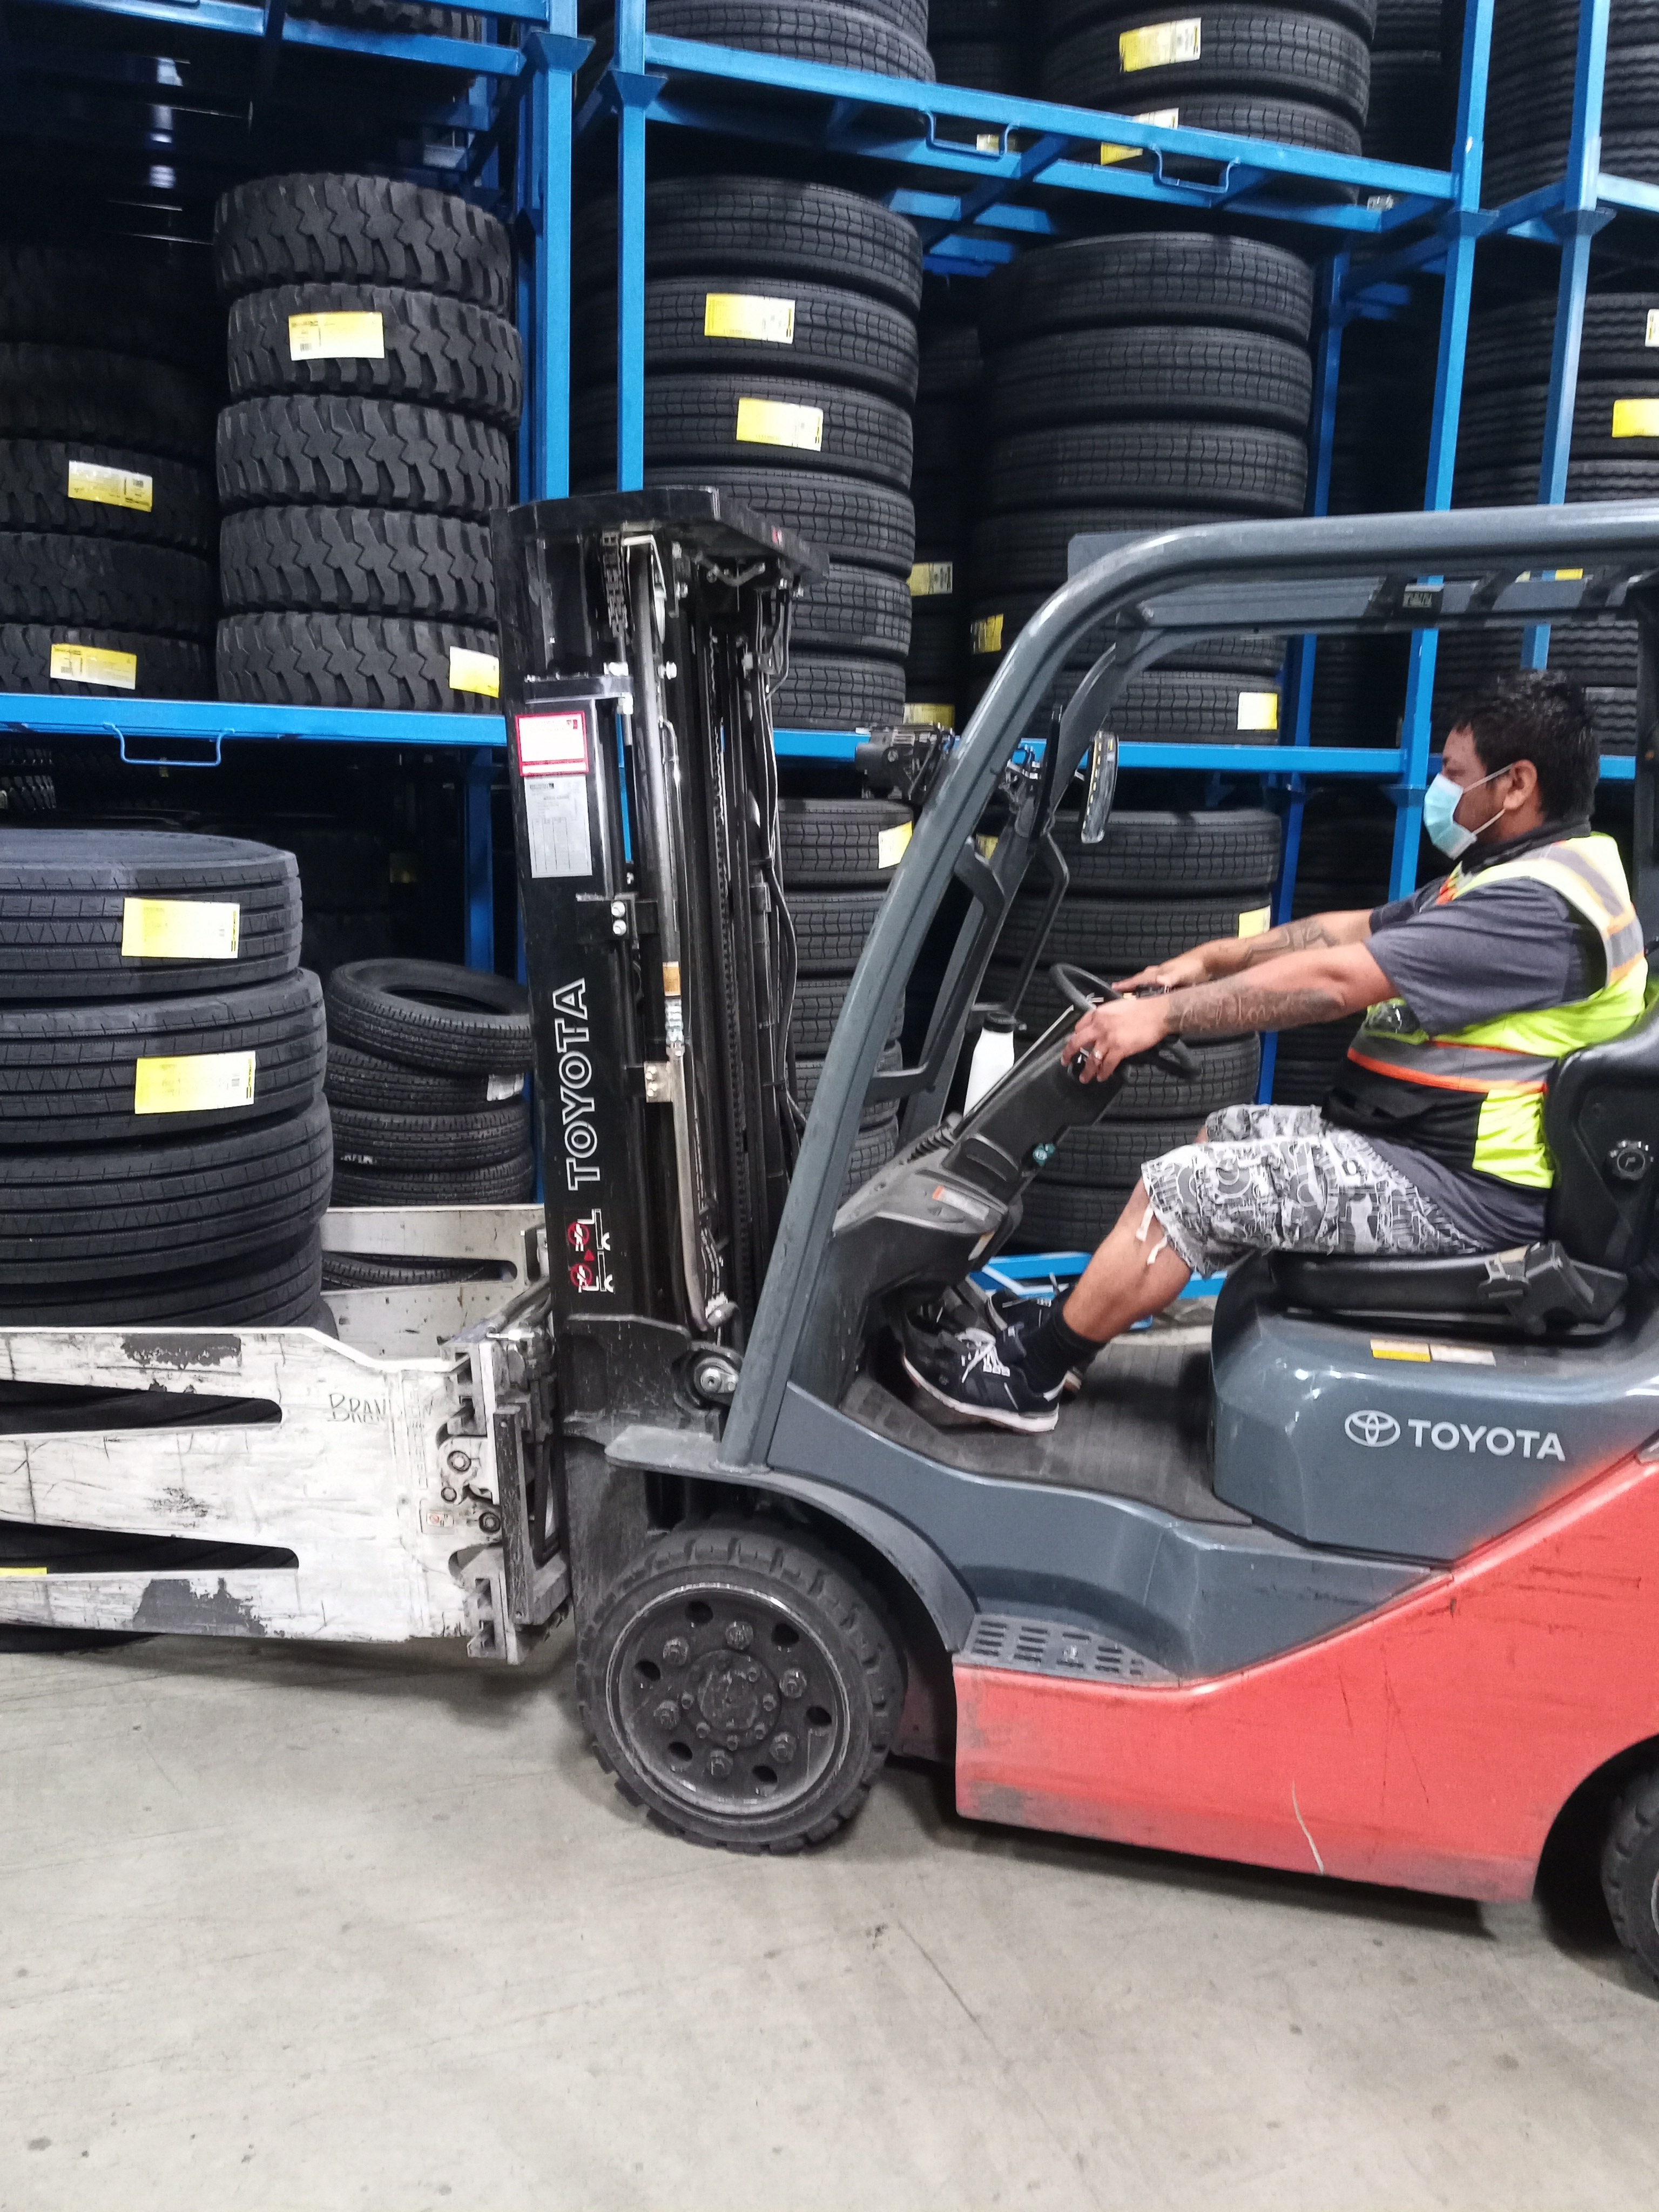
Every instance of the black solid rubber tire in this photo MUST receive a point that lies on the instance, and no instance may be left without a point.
(1068, 1217)
(831, 927)
(112, 301)
(429, 1014)
(1115, 938)
(277, 1289)
(817, 1009)
(1243, 49)
(1207, 464)
(1140, 371)
(691, 420)
(810, 30)
(67, 1073)
(1630, 1871)
(507, 1182)
(762, 226)
(357, 560)
(855, 523)
(834, 691)
(105, 583)
(839, 336)
(836, 843)
(378, 661)
(79, 393)
(800, 1576)
(862, 611)
(877, 1113)
(365, 1137)
(168, 667)
(1202, 277)
(34, 478)
(365, 1079)
(327, 229)
(438, 352)
(73, 1213)
(62, 893)
(344, 452)
(1155, 855)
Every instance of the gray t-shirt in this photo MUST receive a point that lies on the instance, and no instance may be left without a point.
(1517, 948)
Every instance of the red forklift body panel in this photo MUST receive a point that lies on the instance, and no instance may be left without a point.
(1430, 1746)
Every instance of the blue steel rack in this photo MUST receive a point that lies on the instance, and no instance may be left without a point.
(461, 148)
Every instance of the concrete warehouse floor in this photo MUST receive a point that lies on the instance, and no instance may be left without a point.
(296, 1927)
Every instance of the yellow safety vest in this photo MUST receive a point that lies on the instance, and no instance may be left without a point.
(1501, 1068)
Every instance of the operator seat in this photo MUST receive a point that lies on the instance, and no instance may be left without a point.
(1601, 1123)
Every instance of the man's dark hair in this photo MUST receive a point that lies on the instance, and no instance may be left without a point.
(1538, 717)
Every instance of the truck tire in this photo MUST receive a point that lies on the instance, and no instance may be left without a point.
(381, 662)
(382, 1086)
(427, 1014)
(105, 583)
(62, 896)
(844, 844)
(1206, 464)
(862, 611)
(323, 229)
(1201, 277)
(438, 352)
(1116, 937)
(831, 928)
(357, 560)
(817, 1009)
(506, 1183)
(81, 393)
(1142, 372)
(36, 473)
(1261, 51)
(76, 295)
(337, 450)
(851, 522)
(811, 30)
(166, 667)
(1155, 855)
(365, 1137)
(716, 1593)
(877, 1113)
(833, 691)
(1067, 1216)
(837, 336)
(691, 420)
(278, 1290)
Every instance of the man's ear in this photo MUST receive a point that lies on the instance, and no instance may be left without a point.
(1523, 786)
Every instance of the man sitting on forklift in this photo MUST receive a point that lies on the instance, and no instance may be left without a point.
(1433, 1140)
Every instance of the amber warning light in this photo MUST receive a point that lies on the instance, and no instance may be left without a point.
(553, 744)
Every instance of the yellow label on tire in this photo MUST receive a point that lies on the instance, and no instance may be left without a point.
(1158, 46)
(196, 1082)
(1168, 119)
(891, 845)
(1258, 710)
(780, 423)
(1257, 922)
(986, 634)
(756, 315)
(929, 715)
(1653, 326)
(95, 664)
(932, 580)
(474, 671)
(353, 337)
(128, 488)
(1636, 418)
(179, 929)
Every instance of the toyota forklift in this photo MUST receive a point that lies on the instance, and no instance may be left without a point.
(1367, 1586)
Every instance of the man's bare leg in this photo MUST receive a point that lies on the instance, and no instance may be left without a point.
(1135, 1274)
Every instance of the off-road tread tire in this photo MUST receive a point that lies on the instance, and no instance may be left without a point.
(74, 1214)
(343, 452)
(489, 1137)
(80, 394)
(280, 1291)
(1198, 277)
(754, 1547)
(62, 898)
(168, 667)
(1229, 466)
(372, 1005)
(34, 494)
(832, 691)
(1140, 371)
(324, 228)
(1243, 49)
(439, 352)
(507, 1182)
(67, 1073)
(105, 583)
(381, 662)
(383, 1086)
(839, 336)
(835, 843)
(862, 611)
(357, 560)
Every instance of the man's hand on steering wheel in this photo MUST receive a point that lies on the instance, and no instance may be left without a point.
(1177, 975)
(1114, 1032)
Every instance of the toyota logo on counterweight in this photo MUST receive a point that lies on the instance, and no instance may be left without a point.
(1372, 1430)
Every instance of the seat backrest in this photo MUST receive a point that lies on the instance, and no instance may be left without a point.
(1601, 1123)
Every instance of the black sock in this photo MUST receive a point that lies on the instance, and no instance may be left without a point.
(1054, 1351)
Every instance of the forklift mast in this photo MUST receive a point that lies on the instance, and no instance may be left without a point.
(641, 634)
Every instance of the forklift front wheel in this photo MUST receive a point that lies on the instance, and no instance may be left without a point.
(740, 1683)
(1630, 1871)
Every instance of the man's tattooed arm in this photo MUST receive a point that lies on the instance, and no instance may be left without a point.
(1229, 1009)
(1294, 937)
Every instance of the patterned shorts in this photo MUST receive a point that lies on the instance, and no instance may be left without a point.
(1281, 1179)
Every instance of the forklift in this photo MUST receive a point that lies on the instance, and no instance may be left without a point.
(1368, 1587)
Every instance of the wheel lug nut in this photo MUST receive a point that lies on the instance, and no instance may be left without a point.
(719, 1766)
(667, 1713)
(794, 1683)
(730, 1743)
(769, 1703)
(783, 1747)
(703, 1731)
(740, 1635)
(675, 1651)
(686, 1701)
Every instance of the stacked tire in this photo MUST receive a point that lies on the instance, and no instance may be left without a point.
(1413, 95)
(986, 45)
(427, 1068)
(109, 385)
(1158, 884)
(376, 381)
(167, 1150)
(838, 858)
(888, 37)
(1529, 99)
(947, 419)
(1135, 383)
(1347, 843)
(1300, 76)
(780, 367)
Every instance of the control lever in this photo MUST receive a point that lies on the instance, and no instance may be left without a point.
(1084, 991)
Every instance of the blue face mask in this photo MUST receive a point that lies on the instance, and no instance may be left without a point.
(1440, 804)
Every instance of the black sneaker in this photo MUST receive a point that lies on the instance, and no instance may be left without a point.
(1016, 1321)
(968, 1374)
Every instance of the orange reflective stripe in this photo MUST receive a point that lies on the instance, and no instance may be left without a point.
(1470, 1083)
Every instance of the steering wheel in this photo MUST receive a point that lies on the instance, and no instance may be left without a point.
(1084, 991)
